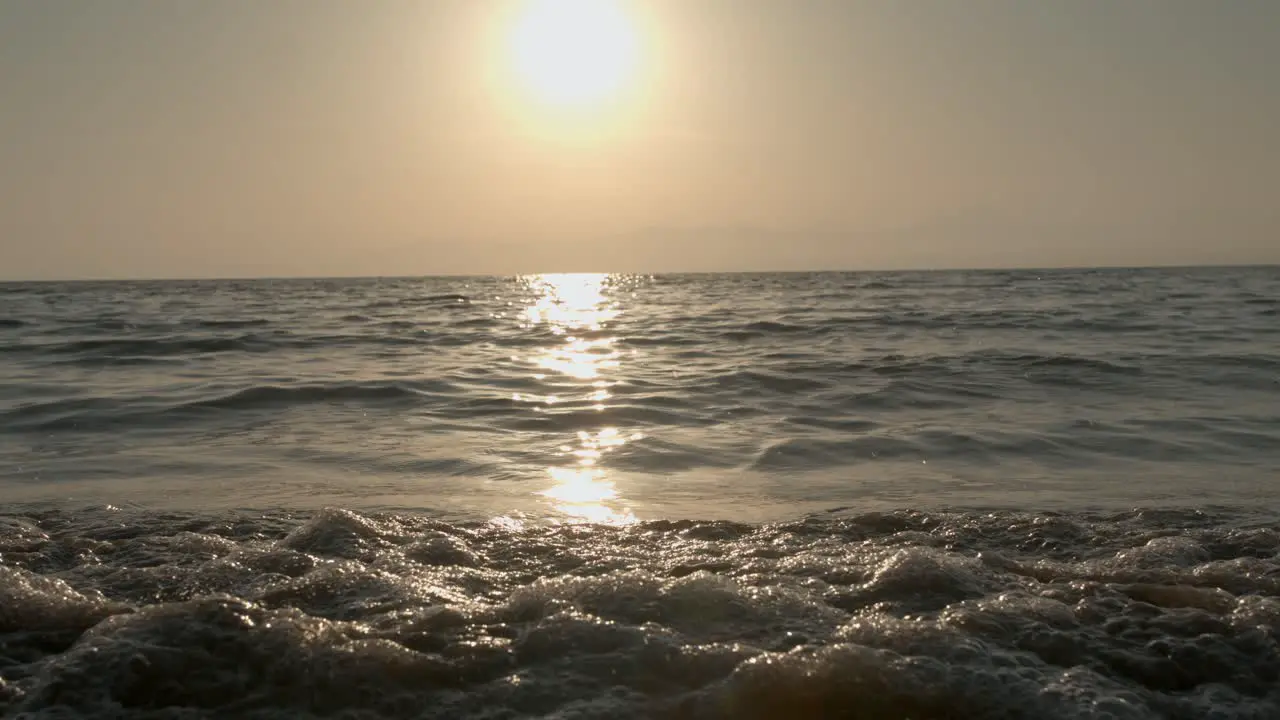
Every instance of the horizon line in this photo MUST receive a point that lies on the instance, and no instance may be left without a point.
(836, 271)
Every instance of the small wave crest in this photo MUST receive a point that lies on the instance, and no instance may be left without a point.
(231, 323)
(304, 394)
(103, 413)
(160, 347)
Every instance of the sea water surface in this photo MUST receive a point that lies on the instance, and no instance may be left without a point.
(999, 494)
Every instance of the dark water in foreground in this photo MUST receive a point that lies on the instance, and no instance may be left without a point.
(903, 495)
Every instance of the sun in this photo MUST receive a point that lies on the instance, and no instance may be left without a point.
(574, 53)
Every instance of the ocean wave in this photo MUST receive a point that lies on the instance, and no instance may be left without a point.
(908, 393)
(110, 413)
(741, 380)
(57, 413)
(1075, 362)
(106, 324)
(446, 298)
(586, 417)
(119, 361)
(176, 345)
(1247, 361)
(110, 350)
(441, 300)
(230, 323)
(808, 453)
(973, 373)
(269, 396)
(660, 340)
(1145, 614)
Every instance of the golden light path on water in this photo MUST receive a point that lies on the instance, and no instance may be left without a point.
(577, 309)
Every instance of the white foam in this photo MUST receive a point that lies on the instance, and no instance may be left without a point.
(892, 615)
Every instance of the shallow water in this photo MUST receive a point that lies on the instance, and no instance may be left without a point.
(903, 495)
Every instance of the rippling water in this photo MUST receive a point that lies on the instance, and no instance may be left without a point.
(828, 495)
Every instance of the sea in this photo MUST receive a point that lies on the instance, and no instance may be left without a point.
(967, 494)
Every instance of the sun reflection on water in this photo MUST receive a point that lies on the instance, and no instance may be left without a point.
(585, 495)
(578, 308)
(570, 301)
(579, 358)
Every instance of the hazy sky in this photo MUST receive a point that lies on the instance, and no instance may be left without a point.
(144, 138)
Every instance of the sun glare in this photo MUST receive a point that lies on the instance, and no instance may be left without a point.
(574, 53)
(579, 368)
